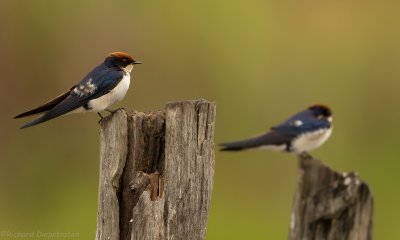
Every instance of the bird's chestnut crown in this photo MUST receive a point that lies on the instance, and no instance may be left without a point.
(321, 111)
(119, 59)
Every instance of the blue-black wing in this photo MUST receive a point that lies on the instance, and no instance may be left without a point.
(94, 85)
(300, 123)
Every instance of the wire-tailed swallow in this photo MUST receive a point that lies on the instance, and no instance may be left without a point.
(303, 132)
(104, 86)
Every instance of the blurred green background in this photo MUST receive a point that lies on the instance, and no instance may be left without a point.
(261, 61)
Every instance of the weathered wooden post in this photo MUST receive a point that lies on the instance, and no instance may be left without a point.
(156, 172)
(329, 205)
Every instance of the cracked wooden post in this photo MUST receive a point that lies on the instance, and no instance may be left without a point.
(156, 172)
(330, 205)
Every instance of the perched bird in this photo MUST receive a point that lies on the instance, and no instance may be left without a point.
(104, 86)
(301, 133)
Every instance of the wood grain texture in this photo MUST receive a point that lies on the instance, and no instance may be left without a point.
(141, 199)
(330, 205)
(113, 152)
(189, 168)
(163, 189)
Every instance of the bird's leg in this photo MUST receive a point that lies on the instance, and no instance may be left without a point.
(101, 117)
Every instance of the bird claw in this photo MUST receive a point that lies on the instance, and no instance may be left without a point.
(113, 111)
(110, 111)
(305, 155)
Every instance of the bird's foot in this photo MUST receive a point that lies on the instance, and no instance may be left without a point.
(305, 155)
(113, 111)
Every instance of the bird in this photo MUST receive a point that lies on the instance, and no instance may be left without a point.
(102, 87)
(299, 134)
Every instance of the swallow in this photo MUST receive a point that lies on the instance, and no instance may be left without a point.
(301, 133)
(104, 86)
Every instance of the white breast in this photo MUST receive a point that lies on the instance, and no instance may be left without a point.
(310, 141)
(114, 96)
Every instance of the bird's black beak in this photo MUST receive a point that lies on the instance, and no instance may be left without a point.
(137, 62)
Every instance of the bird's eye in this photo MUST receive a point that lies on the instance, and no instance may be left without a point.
(124, 60)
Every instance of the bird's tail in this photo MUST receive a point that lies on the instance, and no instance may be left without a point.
(269, 139)
(240, 145)
(34, 122)
(66, 105)
(45, 107)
